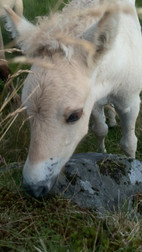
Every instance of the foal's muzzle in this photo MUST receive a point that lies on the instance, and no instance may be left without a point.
(39, 189)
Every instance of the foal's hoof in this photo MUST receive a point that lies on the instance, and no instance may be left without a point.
(127, 151)
(112, 124)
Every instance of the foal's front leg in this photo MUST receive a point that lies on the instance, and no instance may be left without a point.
(128, 118)
(111, 116)
(99, 127)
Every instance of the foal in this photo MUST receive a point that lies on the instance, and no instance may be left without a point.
(85, 57)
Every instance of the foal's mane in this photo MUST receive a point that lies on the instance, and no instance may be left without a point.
(62, 31)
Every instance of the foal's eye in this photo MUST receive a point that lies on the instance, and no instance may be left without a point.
(74, 116)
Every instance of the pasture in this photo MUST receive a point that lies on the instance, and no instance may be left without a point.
(53, 224)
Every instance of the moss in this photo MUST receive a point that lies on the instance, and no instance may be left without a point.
(112, 168)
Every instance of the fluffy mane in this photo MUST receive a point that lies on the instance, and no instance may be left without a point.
(63, 31)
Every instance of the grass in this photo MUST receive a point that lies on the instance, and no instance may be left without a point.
(55, 224)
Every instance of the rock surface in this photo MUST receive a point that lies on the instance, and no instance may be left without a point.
(100, 181)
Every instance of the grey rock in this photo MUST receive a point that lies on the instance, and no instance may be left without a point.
(100, 181)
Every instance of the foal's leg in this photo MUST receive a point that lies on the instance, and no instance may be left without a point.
(111, 116)
(99, 127)
(127, 120)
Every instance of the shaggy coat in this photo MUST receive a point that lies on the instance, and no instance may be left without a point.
(85, 57)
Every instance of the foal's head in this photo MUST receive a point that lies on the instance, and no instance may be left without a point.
(60, 92)
(59, 109)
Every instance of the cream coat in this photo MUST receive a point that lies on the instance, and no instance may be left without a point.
(88, 56)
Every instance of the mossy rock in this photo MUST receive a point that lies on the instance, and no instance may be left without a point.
(100, 181)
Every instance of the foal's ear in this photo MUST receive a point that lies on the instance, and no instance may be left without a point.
(18, 27)
(103, 33)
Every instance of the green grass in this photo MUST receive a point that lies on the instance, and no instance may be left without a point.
(55, 224)
(39, 8)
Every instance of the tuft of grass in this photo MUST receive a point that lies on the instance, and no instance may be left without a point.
(14, 132)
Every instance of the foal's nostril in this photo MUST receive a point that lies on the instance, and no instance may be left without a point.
(35, 190)
(44, 191)
(40, 189)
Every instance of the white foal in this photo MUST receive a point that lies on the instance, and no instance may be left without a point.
(84, 59)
